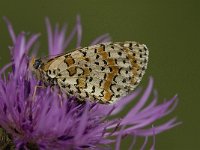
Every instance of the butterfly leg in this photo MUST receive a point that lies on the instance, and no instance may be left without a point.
(35, 90)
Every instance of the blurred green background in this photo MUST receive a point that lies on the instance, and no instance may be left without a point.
(169, 28)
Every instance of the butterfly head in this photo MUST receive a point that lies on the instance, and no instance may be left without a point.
(36, 66)
(37, 63)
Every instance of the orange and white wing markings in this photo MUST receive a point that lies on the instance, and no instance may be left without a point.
(102, 72)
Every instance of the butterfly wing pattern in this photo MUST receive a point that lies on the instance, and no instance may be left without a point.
(103, 72)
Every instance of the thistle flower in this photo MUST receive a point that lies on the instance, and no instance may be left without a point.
(43, 119)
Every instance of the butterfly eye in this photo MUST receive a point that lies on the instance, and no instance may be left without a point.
(37, 63)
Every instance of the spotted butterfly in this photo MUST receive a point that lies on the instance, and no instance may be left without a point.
(103, 72)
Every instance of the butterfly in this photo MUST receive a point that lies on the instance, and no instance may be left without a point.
(101, 73)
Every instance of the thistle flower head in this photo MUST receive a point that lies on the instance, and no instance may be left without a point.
(40, 118)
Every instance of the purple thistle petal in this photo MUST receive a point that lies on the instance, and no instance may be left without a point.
(57, 42)
(2, 70)
(101, 39)
(18, 51)
(152, 104)
(10, 29)
(155, 111)
(122, 103)
(70, 37)
(149, 132)
(79, 32)
(31, 41)
(77, 29)
(83, 122)
(34, 50)
(60, 39)
(145, 143)
(132, 143)
(50, 35)
(154, 140)
(142, 101)
(118, 140)
(174, 100)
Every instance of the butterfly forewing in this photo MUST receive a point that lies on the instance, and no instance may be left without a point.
(102, 72)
